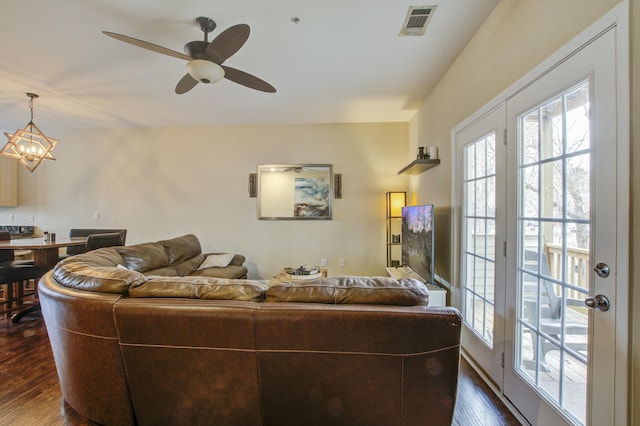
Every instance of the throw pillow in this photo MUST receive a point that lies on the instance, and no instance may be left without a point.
(217, 261)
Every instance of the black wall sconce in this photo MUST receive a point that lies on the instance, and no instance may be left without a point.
(337, 185)
(253, 185)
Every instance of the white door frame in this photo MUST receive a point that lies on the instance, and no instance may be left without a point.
(618, 17)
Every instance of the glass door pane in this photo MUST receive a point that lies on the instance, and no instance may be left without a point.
(479, 228)
(554, 189)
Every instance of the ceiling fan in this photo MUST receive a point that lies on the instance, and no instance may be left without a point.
(206, 58)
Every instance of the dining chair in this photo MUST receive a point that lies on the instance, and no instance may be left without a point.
(15, 275)
(85, 232)
(107, 239)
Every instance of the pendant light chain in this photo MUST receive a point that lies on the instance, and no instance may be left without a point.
(31, 96)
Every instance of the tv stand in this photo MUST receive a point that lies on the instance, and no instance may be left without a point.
(437, 295)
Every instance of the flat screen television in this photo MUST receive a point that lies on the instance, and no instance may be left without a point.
(417, 240)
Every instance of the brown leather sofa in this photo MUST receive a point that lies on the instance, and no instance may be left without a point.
(144, 349)
(180, 256)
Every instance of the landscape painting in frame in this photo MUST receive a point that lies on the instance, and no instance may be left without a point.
(417, 240)
(311, 197)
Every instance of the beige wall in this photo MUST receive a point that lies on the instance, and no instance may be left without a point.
(161, 183)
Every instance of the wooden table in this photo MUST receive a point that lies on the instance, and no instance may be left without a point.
(283, 277)
(45, 255)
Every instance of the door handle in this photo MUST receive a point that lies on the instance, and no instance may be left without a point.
(602, 269)
(599, 301)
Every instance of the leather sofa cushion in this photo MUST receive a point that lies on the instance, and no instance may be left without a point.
(352, 289)
(189, 265)
(199, 288)
(165, 271)
(182, 248)
(144, 257)
(96, 271)
(181, 269)
(231, 271)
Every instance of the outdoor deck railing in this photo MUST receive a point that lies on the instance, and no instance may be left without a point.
(577, 264)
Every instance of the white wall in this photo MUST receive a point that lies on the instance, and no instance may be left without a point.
(517, 36)
(161, 183)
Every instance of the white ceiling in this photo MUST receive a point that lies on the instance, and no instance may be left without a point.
(343, 62)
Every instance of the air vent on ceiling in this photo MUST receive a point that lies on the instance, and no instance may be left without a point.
(417, 19)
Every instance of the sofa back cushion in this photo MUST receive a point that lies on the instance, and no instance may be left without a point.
(182, 248)
(199, 288)
(96, 271)
(189, 265)
(144, 257)
(351, 289)
(181, 269)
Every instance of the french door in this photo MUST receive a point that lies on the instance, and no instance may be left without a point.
(481, 165)
(539, 240)
(562, 223)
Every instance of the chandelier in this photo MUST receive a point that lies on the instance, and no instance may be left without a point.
(29, 145)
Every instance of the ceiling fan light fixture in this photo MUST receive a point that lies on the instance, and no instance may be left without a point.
(205, 71)
(205, 59)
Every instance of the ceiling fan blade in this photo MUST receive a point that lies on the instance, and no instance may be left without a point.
(247, 80)
(147, 45)
(185, 84)
(227, 43)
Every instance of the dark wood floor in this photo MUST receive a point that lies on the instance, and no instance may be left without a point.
(30, 395)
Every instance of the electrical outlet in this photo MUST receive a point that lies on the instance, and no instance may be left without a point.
(31, 218)
(323, 262)
(12, 217)
(343, 263)
(96, 215)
